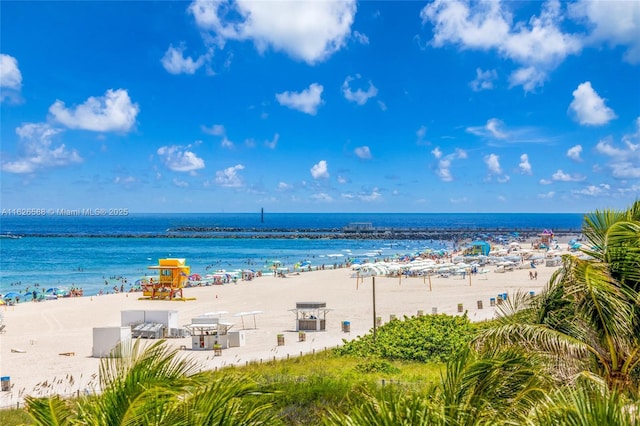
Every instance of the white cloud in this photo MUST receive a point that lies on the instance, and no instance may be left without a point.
(624, 161)
(593, 190)
(283, 186)
(273, 143)
(443, 170)
(363, 152)
(374, 195)
(561, 176)
(180, 159)
(342, 180)
(361, 38)
(215, 130)
(484, 80)
(574, 152)
(545, 182)
(589, 108)
(226, 143)
(10, 78)
(359, 96)
(113, 112)
(229, 177)
(614, 22)
(525, 166)
(421, 133)
(536, 46)
(323, 197)
(310, 31)
(306, 101)
(175, 62)
(493, 164)
(36, 140)
(493, 129)
(548, 195)
(180, 183)
(320, 170)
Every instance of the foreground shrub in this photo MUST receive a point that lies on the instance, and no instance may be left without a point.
(430, 338)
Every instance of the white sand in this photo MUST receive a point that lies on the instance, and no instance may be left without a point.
(47, 329)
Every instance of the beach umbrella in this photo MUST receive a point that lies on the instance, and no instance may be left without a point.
(12, 295)
(2, 302)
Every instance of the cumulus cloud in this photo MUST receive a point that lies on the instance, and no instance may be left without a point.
(536, 47)
(561, 176)
(180, 159)
(421, 133)
(574, 153)
(443, 169)
(37, 150)
(374, 195)
(493, 129)
(320, 170)
(593, 190)
(175, 62)
(273, 143)
(229, 177)
(306, 101)
(624, 160)
(113, 112)
(589, 108)
(359, 96)
(547, 195)
(283, 186)
(10, 78)
(360, 38)
(363, 152)
(484, 80)
(493, 164)
(310, 31)
(180, 183)
(525, 166)
(323, 197)
(215, 130)
(612, 22)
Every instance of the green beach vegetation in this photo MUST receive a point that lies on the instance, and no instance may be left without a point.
(569, 355)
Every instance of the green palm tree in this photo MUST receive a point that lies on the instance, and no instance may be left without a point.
(587, 319)
(155, 386)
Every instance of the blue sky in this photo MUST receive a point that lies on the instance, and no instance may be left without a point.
(320, 106)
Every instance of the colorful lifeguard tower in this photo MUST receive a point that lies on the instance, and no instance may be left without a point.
(173, 275)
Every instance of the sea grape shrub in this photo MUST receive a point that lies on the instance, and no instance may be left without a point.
(429, 338)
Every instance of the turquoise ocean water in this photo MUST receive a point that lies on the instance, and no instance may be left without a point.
(97, 252)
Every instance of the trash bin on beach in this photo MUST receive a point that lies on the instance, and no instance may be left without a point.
(479, 304)
(420, 312)
(5, 383)
(434, 311)
(460, 308)
(492, 301)
(346, 326)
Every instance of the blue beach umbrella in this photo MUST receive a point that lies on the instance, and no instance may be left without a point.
(12, 295)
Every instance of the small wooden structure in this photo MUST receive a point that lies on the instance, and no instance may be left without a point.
(173, 276)
(311, 316)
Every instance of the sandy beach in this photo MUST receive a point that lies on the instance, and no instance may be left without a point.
(46, 347)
